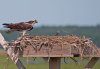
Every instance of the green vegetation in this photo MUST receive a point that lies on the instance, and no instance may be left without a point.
(8, 64)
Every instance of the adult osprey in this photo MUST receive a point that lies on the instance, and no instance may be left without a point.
(22, 26)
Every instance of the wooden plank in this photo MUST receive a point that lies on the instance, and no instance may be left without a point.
(39, 55)
(55, 63)
(3, 42)
(20, 65)
(91, 63)
(11, 54)
(56, 51)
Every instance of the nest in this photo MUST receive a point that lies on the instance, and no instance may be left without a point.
(79, 45)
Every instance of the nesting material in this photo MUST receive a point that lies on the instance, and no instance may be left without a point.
(71, 44)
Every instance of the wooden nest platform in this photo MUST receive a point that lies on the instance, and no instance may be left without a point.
(55, 46)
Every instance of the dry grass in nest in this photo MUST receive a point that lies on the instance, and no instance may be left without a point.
(79, 45)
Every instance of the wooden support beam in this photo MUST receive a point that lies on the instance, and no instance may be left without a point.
(55, 63)
(92, 62)
(20, 65)
(10, 53)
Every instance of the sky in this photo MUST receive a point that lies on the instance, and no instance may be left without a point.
(51, 12)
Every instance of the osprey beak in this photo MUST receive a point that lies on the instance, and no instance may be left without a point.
(35, 21)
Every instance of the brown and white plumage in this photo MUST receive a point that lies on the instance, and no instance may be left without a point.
(22, 26)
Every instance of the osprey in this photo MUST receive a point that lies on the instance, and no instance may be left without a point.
(22, 26)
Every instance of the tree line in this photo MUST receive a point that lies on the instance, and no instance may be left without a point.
(92, 32)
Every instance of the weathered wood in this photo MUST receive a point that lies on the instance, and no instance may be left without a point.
(46, 51)
(91, 63)
(46, 55)
(3, 42)
(55, 63)
(10, 53)
(20, 65)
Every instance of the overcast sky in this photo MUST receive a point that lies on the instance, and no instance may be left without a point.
(51, 12)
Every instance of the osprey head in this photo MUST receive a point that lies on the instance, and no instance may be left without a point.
(32, 22)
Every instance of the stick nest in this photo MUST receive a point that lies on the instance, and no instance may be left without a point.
(79, 45)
